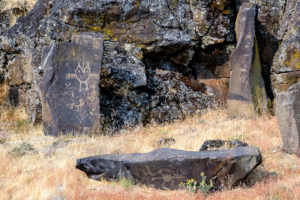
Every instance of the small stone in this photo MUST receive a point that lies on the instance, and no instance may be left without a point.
(165, 141)
(217, 145)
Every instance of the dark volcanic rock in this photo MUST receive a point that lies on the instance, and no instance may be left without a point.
(288, 117)
(135, 34)
(286, 61)
(166, 168)
(70, 86)
(246, 88)
(217, 145)
(197, 36)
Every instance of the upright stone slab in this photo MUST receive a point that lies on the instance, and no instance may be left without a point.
(246, 87)
(69, 89)
(288, 116)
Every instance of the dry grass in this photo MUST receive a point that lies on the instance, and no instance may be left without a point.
(48, 172)
(4, 90)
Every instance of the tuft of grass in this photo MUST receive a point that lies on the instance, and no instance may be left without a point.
(21, 150)
(22, 125)
(125, 183)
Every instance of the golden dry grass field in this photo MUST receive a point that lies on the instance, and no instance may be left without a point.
(46, 170)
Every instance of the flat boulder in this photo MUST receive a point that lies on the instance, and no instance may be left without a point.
(69, 90)
(288, 117)
(166, 168)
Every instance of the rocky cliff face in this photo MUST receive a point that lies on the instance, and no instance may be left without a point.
(163, 59)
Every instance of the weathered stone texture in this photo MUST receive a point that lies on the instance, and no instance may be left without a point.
(70, 87)
(246, 87)
(286, 63)
(196, 35)
(166, 168)
(288, 116)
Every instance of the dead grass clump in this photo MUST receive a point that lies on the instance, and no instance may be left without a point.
(4, 90)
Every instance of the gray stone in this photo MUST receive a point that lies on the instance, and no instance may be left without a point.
(246, 87)
(165, 141)
(166, 168)
(217, 145)
(294, 87)
(288, 116)
(69, 89)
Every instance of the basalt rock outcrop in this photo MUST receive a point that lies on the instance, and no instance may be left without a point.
(162, 60)
(166, 168)
(286, 62)
(69, 90)
(150, 70)
(288, 117)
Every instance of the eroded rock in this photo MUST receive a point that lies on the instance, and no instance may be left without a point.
(288, 117)
(166, 168)
(246, 88)
(70, 86)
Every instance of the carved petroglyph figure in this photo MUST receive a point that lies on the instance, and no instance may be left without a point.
(83, 74)
(77, 107)
(69, 89)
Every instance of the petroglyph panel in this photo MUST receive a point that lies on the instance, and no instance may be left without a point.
(166, 168)
(69, 90)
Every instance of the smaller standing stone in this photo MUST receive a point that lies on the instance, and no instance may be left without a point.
(246, 88)
(69, 90)
(288, 116)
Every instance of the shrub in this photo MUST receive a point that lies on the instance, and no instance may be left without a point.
(21, 150)
(192, 186)
(126, 183)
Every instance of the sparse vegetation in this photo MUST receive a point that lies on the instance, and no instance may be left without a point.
(48, 172)
(21, 150)
(202, 187)
(125, 183)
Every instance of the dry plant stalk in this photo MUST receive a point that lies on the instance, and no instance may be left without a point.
(4, 90)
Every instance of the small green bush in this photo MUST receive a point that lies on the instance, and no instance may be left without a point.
(21, 149)
(192, 185)
(126, 183)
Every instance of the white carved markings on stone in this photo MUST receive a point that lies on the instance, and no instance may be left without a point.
(82, 74)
